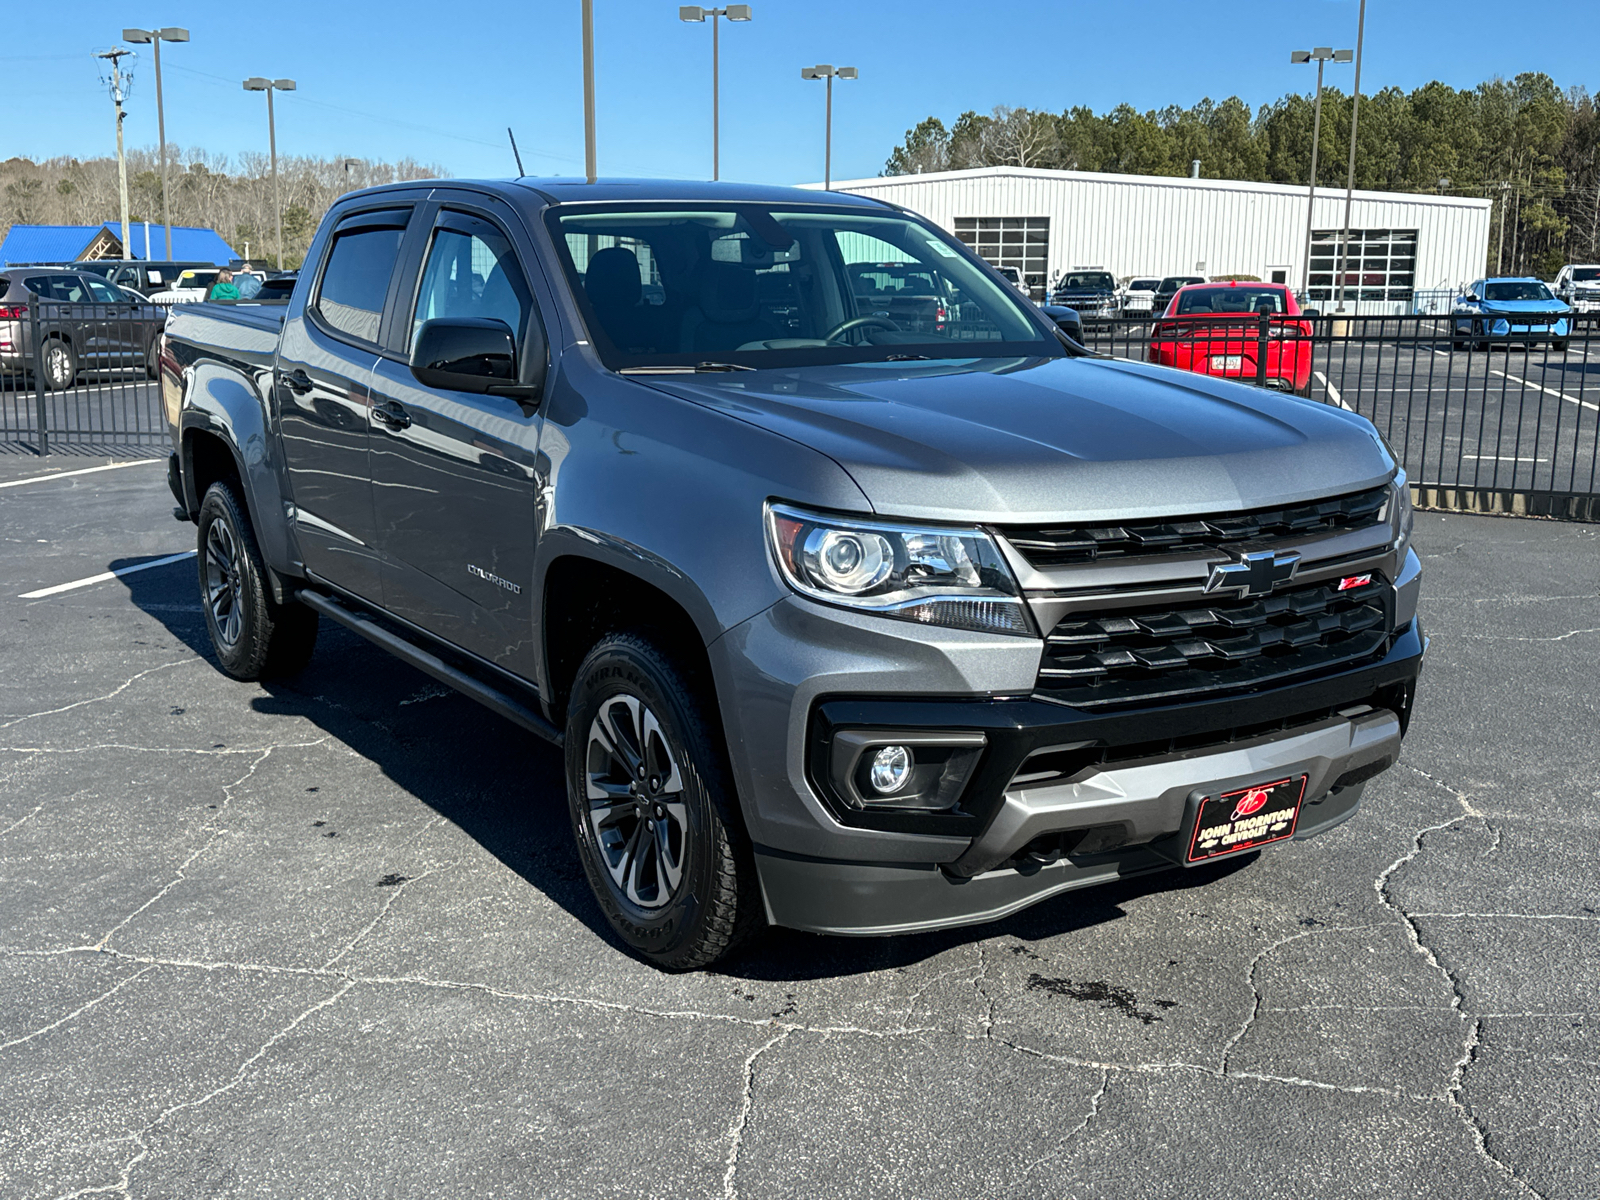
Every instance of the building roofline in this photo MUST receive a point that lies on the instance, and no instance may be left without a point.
(1175, 181)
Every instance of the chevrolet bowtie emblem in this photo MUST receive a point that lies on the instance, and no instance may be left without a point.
(1253, 574)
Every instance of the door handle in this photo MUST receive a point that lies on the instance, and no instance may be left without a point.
(392, 415)
(296, 381)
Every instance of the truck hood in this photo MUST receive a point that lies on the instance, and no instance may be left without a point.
(1031, 440)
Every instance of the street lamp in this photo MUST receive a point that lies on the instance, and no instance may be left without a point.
(154, 37)
(824, 71)
(1350, 178)
(1321, 55)
(734, 12)
(257, 84)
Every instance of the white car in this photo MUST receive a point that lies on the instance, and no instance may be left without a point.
(1579, 285)
(189, 288)
(1138, 294)
(1014, 277)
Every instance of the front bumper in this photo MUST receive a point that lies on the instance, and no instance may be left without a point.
(1117, 815)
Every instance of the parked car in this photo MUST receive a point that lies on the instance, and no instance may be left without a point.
(1092, 294)
(1579, 285)
(1168, 288)
(1138, 295)
(83, 322)
(855, 629)
(143, 277)
(189, 287)
(1215, 329)
(1510, 309)
(1015, 279)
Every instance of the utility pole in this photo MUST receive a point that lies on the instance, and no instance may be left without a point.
(1350, 179)
(115, 55)
(697, 14)
(258, 84)
(155, 37)
(589, 168)
(1500, 242)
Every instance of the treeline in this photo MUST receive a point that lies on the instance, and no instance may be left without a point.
(1522, 142)
(204, 189)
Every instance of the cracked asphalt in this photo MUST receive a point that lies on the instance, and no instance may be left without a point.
(328, 938)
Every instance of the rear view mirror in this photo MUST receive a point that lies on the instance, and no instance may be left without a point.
(466, 354)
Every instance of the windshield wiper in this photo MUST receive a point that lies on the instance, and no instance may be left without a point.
(906, 358)
(683, 368)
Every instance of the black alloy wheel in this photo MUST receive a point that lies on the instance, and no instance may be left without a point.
(653, 809)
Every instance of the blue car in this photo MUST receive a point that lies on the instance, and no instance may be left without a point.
(1510, 310)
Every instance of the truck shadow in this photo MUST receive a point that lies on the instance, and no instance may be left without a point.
(504, 788)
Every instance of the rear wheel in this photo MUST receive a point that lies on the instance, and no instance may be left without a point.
(1560, 347)
(254, 636)
(152, 360)
(60, 365)
(653, 809)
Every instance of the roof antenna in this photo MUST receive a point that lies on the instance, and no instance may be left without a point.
(515, 152)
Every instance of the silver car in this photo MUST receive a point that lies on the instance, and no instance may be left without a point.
(82, 321)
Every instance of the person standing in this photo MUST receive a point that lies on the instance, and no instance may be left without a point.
(223, 287)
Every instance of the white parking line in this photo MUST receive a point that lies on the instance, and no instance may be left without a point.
(1333, 392)
(1547, 391)
(1503, 458)
(138, 462)
(105, 576)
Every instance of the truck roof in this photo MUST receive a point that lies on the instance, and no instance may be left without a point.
(578, 191)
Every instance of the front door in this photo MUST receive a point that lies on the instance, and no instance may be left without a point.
(322, 382)
(453, 472)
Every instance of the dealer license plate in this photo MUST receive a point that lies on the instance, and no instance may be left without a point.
(1229, 362)
(1247, 818)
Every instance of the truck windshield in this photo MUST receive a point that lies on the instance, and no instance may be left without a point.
(1516, 291)
(675, 285)
(1088, 281)
(1585, 274)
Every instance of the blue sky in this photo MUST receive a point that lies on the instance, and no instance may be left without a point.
(440, 82)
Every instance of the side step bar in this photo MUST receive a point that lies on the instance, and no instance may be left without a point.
(486, 694)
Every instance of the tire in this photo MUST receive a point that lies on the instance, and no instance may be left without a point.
(254, 637)
(152, 358)
(1560, 347)
(60, 365)
(1304, 391)
(675, 878)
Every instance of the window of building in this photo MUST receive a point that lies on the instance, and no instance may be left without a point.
(1381, 264)
(1020, 242)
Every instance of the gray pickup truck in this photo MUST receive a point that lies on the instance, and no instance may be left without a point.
(842, 626)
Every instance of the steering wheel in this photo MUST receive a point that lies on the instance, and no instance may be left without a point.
(866, 322)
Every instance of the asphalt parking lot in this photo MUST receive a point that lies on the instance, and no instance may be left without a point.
(329, 938)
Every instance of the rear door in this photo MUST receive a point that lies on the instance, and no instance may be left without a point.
(453, 472)
(321, 381)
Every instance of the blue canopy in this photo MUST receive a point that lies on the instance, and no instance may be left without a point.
(67, 243)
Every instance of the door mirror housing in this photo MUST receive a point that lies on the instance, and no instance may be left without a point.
(1310, 312)
(472, 354)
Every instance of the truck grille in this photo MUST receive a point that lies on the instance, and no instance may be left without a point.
(1056, 546)
(1166, 653)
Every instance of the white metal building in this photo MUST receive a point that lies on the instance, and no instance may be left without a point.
(1046, 222)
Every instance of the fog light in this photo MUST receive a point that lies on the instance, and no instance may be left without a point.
(891, 767)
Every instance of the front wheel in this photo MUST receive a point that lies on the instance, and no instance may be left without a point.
(653, 809)
(1560, 347)
(60, 365)
(254, 636)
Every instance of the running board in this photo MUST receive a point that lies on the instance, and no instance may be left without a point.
(486, 694)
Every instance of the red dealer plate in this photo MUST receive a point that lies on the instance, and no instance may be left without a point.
(1247, 818)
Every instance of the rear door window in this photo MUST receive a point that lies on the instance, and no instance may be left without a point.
(356, 279)
(70, 288)
(103, 293)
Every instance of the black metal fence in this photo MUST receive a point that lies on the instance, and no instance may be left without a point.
(80, 378)
(1486, 415)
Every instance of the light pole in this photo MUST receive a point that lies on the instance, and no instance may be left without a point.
(257, 84)
(588, 91)
(824, 71)
(154, 37)
(734, 12)
(1320, 56)
(115, 56)
(1350, 178)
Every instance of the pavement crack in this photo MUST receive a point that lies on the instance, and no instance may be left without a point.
(21, 821)
(741, 1120)
(77, 1012)
(978, 982)
(1501, 637)
(114, 692)
(389, 902)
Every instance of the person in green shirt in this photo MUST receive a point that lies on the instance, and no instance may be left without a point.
(224, 288)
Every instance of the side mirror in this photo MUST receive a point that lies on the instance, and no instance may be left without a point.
(471, 354)
(1310, 312)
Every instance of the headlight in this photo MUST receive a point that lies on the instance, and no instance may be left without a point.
(1405, 517)
(938, 576)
